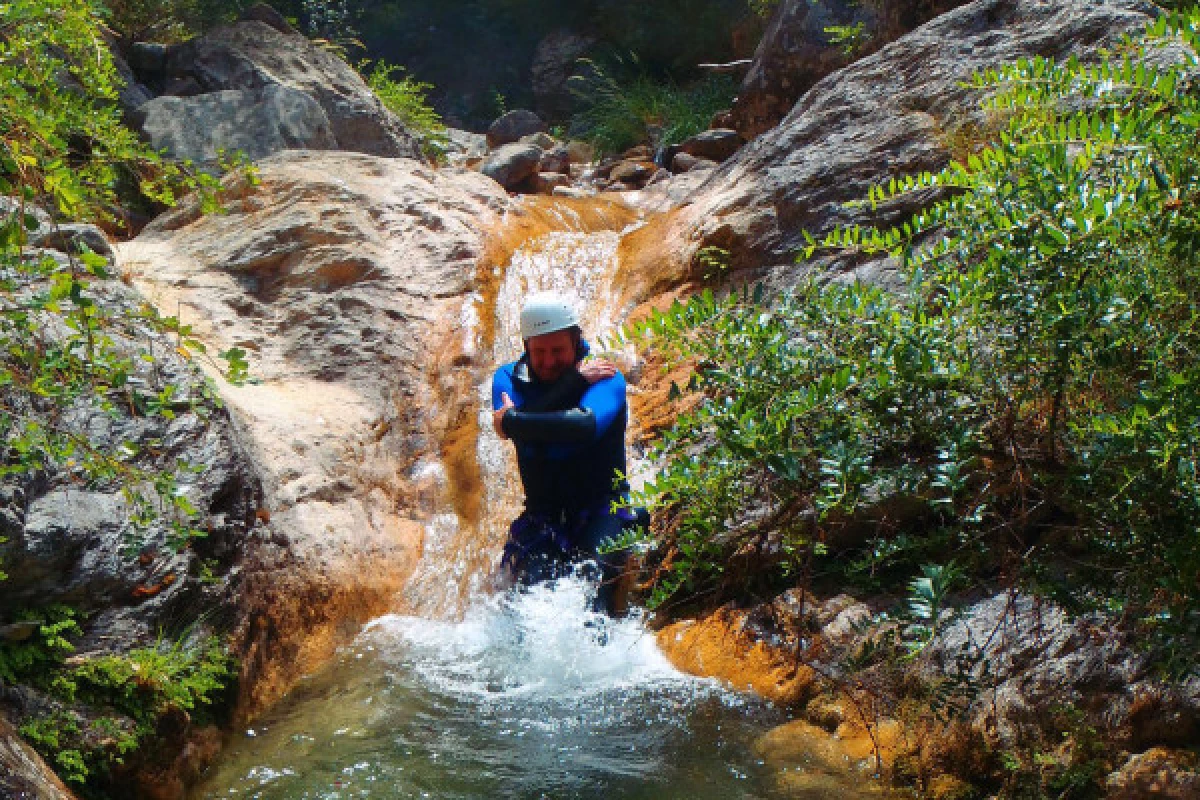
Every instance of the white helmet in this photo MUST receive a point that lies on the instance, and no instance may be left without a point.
(547, 312)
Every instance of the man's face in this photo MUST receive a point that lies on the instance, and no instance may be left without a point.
(550, 354)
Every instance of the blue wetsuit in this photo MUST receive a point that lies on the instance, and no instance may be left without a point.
(570, 442)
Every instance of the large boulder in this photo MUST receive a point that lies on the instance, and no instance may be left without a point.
(514, 126)
(883, 116)
(251, 54)
(339, 273)
(512, 164)
(256, 122)
(797, 50)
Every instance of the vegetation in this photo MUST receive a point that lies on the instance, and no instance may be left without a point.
(67, 346)
(1029, 409)
(125, 696)
(617, 115)
(405, 97)
(65, 153)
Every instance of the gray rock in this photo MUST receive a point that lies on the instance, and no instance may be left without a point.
(1038, 659)
(131, 93)
(883, 116)
(686, 162)
(511, 164)
(72, 238)
(147, 57)
(510, 127)
(462, 146)
(540, 140)
(553, 64)
(795, 51)
(556, 159)
(257, 122)
(252, 55)
(714, 145)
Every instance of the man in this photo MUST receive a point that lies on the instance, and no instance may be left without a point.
(566, 414)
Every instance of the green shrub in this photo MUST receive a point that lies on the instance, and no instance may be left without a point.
(30, 659)
(617, 115)
(64, 151)
(1033, 400)
(405, 97)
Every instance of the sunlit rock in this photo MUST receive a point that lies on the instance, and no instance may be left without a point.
(335, 274)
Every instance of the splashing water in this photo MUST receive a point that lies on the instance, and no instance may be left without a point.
(530, 695)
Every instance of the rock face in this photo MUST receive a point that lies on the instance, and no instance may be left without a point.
(69, 543)
(257, 122)
(511, 164)
(797, 50)
(1040, 660)
(513, 126)
(252, 55)
(886, 115)
(553, 63)
(23, 774)
(339, 273)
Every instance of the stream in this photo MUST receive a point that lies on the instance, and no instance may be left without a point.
(469, 692)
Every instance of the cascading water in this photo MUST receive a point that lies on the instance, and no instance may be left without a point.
(524, 693)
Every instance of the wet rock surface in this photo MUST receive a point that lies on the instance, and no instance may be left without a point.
(337, 273)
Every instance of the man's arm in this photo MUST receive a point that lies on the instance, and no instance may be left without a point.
(597, 410)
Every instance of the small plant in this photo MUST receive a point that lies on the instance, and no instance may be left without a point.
(927, 600)
(619, 113)
(406, 98)
(48, 644)
(847, 38)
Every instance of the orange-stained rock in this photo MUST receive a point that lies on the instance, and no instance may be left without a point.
(1157, 773)
(718, 647)
(807, 760)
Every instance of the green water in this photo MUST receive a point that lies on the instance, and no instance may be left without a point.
(530, 696)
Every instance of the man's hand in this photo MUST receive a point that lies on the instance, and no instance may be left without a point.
(498, 414)
(595, 370)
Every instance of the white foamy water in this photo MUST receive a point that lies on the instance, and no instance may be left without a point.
(540, 643)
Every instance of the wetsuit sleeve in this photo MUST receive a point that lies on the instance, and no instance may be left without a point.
(564, 393)
(606, 400)
(598, 409)
(502, 384)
